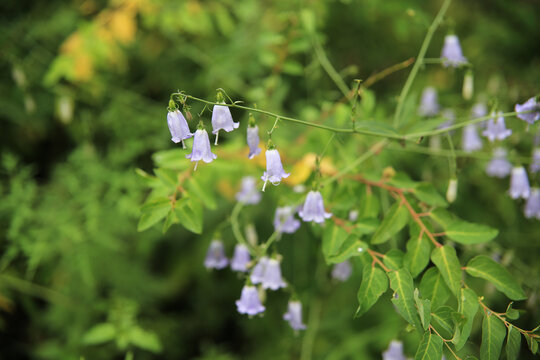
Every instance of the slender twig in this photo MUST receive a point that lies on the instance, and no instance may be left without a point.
(502, 317)
(388, 71)
(445, 341)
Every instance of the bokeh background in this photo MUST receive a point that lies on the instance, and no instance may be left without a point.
(83, 94)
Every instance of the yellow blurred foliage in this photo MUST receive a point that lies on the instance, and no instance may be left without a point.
(303, 169)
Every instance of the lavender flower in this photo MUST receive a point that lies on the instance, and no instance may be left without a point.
(253, 140)
(241, 258)
(532, 206)
(451, 52)
(519, 183)
(530, 105)
(294, 315)
(342, 271)
(284, 221)
(249, 302)
(479, 110)
(535, 165)
(257, 274)
(471, 141)
(394, 351)
(313, 209)
(178, 127)
(222, 120)
(499, 166)
(272, 276)
(429, 105)
(496, 129)
(201, 148)
(215, 257)
(274, 169)
(248, 193)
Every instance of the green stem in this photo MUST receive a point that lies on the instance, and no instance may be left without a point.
(236, 228)
(452, 158)
(32, 289)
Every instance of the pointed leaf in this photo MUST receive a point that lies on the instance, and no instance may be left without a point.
(493, 334)
(442, 319)
(424, 309)
(513, 343)
(99, 334)
(374, 284)
(401, 282)
(152, 213)
(427, 193)
(430, 347)
(468, 306)
(433, 287)
(190, 215)
(205, 195)
(393, 222)
(418, 250)
(469, 233)
(445, 259)
(393, 259)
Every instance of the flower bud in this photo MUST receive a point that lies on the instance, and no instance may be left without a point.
(451, 193)
(468, 85)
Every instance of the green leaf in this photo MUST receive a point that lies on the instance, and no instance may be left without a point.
(427, 193)
(393, 222)
(365, 226)
(369, 204)
(442, 217)
(493, 333)
(401, 282)
(171, 159)
(513, 343)
(171, 219)
(352, 246)
(469, 233)
(445, 259)
(206, 196)
(488, 269)
(430, 347)
(468, 306)
(333, 238)
(374, 284)
(153, 212)
(510, 313)
(190, 215)
(432, 287)
(418, 250)
(443, 321)
(99, 334)
(393, 259)
(144, 339)
(167, 176)
(424, 309)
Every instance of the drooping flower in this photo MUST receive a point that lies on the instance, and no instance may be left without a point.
(257, 274)
(519, 183)
(178, 127)
(471, 141)
(499, 166)
(215, 257)
(222, 120)
(429, 105)
(342, 271)
(201, 148)
(284, 221)
(249, 302)
(248, 193)
(394, 351)
(241, 258)
(294, 315)
(274, 169)
(496, 129)
(535, 165)
(531, 105)
(451, 52)
(532, 206)
(272, 276)
(313, 208)
(253, 139)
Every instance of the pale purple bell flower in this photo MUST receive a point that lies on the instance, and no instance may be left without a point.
(535, 165)
(178, 127)
(519, 183)
(429, 105)
(274, 169)
(294, 315)
(284, 221)
(241, 258)
(272, 276)
(451, 52)
(215, 257)
(222, 120)
(499, 166)
(530, 105)
(496, 129)
(342, 271)
(471, 140)
(249, 194)
(394, 351)
(249, 302)
(201, 148)
(257, 274)
(313, 208)
(253, 141)
(532, 206)
(479, 110)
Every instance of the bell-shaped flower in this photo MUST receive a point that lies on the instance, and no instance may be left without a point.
(499, 166)
(249, 302)
(496, 129)
(253, 140)
(272, 276)
(535, 164)
(532, 206)
(429, 105)
(178, 127)
(274, 169)
(451, 52)
(215, 257)
(294, 315)
(342, 271)
(241, 258)
(257, 274)
(519, 183)
(313, 208)
(201, 148)
(222, 120)
(248, 194)
(471, 141)
(394, 351)
(532, 106)
(284, 221)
